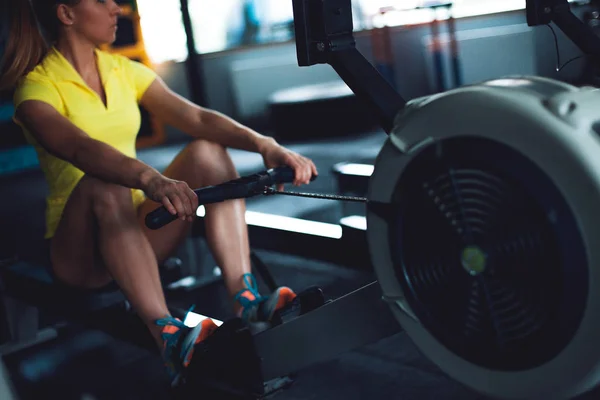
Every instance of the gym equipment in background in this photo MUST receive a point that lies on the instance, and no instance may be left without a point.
(437, 43)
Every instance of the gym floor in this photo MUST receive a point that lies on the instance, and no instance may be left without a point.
(87, 361)
(90, 362)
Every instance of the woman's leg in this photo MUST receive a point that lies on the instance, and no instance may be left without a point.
(99, 239)
(201, 164)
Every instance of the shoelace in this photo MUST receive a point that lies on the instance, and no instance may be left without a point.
(252, 287)
(172, 338)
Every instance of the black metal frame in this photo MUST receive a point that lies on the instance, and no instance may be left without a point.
(241, 361)
(324, 35)
(194, 66)
(354, 320)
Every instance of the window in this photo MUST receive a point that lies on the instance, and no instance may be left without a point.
(226, 24)
(215, 24)
(162, 27)
(234, 23)
(413, 12)
(218, 25)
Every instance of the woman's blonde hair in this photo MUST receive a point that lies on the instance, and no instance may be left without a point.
(34, 27)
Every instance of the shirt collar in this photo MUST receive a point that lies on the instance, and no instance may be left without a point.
(63, 70)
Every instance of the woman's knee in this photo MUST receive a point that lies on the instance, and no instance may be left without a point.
(205, 152)
(106, 198)
(212, 159)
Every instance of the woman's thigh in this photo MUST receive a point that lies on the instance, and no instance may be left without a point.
(74, 251)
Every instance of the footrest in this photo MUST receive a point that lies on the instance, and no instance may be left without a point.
(225, 364)
(306, 301)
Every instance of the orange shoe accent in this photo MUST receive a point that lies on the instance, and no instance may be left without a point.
(169, 329)
(208, 328)
(188, 360)
(247, 294)
(286, 296)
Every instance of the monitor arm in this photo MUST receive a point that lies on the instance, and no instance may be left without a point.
(543, 12)
(324, 35)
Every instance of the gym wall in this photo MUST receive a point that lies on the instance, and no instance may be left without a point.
(411, 69)
(228, 92)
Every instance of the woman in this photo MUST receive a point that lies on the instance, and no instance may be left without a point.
(79, 107)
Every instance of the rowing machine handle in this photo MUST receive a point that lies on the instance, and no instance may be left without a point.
(243, 187)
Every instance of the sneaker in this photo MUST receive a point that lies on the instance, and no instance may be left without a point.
(179, 343)
(257, 308)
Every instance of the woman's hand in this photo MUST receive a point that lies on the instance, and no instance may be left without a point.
(177, 197)
(275, 155)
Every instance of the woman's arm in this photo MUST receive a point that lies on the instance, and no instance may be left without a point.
(211, 125)
(199, 122)
(66, 141)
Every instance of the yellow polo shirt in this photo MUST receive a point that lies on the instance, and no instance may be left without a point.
(56, 82)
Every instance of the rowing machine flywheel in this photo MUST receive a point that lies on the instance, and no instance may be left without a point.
(482, 226)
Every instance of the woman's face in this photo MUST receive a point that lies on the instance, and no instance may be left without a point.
(96, 20)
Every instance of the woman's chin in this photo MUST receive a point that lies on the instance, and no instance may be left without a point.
(108, 41)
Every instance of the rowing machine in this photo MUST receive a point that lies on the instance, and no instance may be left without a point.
(480, 213)
(481, 224)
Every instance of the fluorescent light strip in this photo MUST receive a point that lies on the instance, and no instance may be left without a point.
(355, 221)
(356, 169)
(192, 319)
(289, 224)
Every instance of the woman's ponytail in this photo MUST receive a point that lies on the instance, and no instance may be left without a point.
(25, 45)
